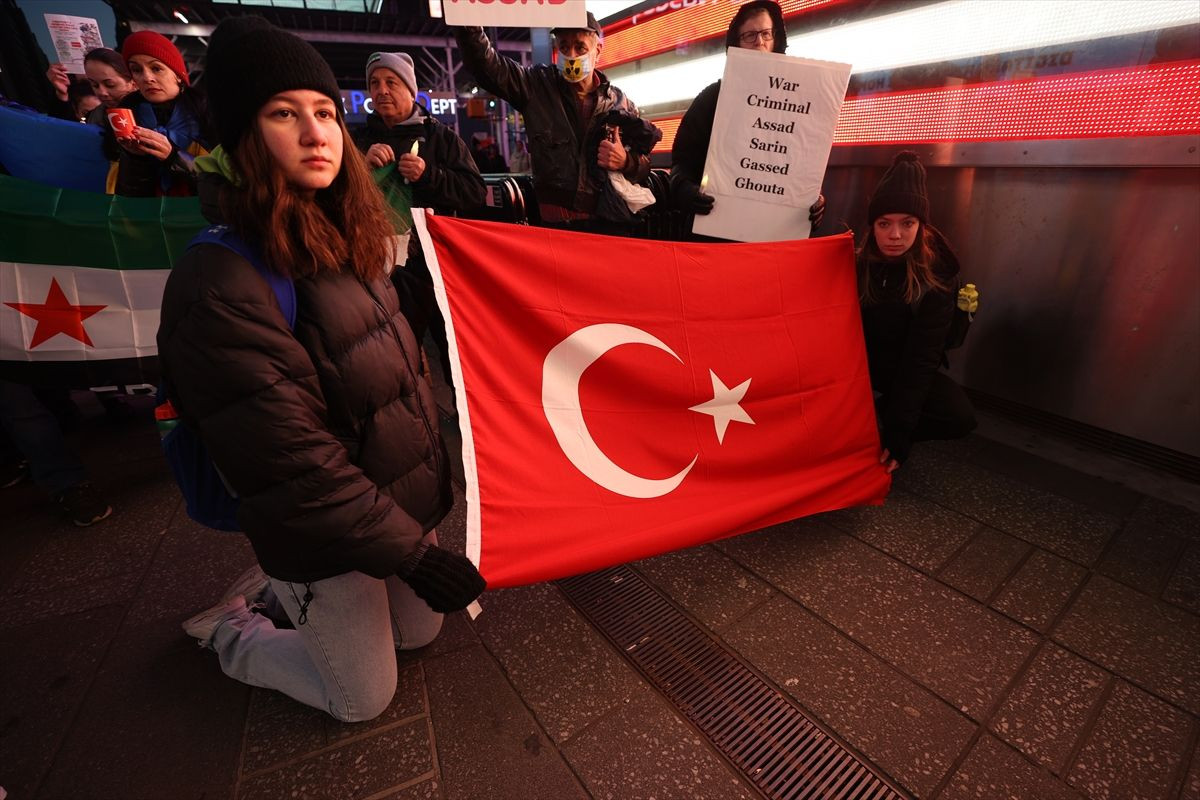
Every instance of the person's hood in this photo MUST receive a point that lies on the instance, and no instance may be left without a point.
(769, 6)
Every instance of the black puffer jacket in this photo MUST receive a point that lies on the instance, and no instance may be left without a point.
(556, 134)
(327, 433)
(451, 181)
(906, 342)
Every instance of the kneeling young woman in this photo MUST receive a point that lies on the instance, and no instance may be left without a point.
(325, 430)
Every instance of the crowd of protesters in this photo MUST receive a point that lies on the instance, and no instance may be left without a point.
(318, 411)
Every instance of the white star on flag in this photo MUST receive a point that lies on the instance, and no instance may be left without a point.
(724, 407)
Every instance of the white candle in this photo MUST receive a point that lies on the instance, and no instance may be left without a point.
(416, 144)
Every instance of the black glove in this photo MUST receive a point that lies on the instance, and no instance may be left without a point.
(446, 581)
(688, 197)
(816, 212)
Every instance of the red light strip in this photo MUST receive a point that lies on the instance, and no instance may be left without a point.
(669, 127)
(1156, 100)
(670, 29)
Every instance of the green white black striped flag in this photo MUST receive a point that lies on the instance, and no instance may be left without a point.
(81, 282)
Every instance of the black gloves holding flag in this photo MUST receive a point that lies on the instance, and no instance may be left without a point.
(446, 581)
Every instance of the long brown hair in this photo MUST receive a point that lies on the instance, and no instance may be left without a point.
(919, 261)
(344, 227)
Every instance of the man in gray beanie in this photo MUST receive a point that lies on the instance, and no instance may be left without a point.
(435, 164)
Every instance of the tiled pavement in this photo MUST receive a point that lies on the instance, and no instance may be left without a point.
(1003, 628)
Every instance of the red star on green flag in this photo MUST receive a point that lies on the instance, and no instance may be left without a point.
(57, 315)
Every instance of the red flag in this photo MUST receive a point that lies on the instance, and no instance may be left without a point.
(620, 398)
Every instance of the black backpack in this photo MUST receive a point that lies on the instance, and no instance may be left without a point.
(208, 497)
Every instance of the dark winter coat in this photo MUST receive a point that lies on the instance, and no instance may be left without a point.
(690, 149)
(185, 123)
(906, 342)
(451, 181)
(328, 434)
(557, 135)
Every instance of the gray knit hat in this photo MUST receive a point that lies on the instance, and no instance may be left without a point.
(399, 63)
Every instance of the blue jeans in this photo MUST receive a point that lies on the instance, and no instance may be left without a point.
(34, 433)
(342, 660)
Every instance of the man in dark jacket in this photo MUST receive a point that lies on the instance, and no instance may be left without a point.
(562, 106)
(437, 165)
(440, 169)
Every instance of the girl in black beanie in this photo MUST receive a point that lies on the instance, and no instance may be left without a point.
(907, 279)
(283, 348)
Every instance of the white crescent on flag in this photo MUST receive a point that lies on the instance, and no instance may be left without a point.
(561, 372)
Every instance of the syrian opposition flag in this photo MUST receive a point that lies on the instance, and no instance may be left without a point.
(620, 398)
(81, 282)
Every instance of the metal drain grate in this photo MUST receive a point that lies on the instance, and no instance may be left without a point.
(770, 740)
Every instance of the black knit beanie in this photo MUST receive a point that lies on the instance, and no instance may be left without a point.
(901, 190)
(249, 62)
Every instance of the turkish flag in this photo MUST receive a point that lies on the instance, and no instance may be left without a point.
(620, 398)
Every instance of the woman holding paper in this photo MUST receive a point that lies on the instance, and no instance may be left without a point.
(106, 74)
(907, 279)
(758, 25)
(316, 418)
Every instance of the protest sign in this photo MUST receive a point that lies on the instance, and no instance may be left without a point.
(516, 13)
(73, 37)
(770, 143)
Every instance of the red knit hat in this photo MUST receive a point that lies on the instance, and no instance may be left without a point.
(155, 45)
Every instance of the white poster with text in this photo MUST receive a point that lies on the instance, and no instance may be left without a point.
(73, 37)
(516, 13)
(770, 144)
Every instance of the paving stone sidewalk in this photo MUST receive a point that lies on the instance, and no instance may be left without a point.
(1004, 627)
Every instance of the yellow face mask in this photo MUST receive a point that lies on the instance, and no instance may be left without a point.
(576, 69)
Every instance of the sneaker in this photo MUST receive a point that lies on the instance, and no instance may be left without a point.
(204, 625)
(13, 473)
(83, 505)
(252, 585)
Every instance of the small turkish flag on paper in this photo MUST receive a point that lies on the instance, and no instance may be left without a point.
(620, 398)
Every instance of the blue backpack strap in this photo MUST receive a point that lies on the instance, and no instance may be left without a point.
(281, 285)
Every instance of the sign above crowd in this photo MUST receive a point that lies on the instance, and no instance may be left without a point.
(770, 143)
(73, 37)
(516, 13)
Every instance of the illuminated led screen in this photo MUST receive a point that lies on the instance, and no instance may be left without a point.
(1157, 100)
(624, 41)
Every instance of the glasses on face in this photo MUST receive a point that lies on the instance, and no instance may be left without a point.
(752, 37)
